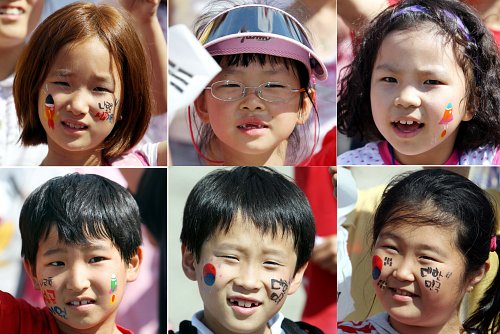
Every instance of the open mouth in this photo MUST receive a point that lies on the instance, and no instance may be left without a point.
(244, 303)
(407, 126)
(11, 11)
(74, 125)
(252, 126)
(403, 292)
(80, 302)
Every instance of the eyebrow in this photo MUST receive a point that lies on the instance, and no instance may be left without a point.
(66, 73)
(265, 251)
(425, 247)
(429, 69)
(87, 248)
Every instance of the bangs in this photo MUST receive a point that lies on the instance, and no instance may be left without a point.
(245, 59)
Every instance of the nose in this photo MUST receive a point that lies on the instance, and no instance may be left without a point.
(77, 279)
(79, 102)
(252, 100)
(403, 270)
(408, 97)
(248, 278)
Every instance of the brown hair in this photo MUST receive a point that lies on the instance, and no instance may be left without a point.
(74, 24)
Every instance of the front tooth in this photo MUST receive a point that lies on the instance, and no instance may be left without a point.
(75, 303)
(409, 122)
(11, 11)
(84, 302)
(241, 304)
(402, 122)
(248, 304)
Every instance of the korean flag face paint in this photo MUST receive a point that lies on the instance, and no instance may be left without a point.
(209, 274)
(376, 267)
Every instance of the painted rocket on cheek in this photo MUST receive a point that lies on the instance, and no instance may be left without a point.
(114, 284)
(376, 267)
(209, 274)
(447, 118)
(50, 110)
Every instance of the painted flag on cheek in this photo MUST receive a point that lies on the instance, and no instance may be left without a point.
(376, 267)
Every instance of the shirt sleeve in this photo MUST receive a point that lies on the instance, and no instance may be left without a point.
(18, 316)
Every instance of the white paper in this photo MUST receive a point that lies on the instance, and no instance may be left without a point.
(190, 69)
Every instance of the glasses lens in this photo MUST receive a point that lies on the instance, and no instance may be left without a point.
(227, 90)
(276, 92)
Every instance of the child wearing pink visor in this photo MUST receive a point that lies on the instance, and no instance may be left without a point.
(259, 109)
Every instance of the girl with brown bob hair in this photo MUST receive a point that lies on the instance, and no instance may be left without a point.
(87, 117)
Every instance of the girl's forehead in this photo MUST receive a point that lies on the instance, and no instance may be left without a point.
(417, 233)
(91, 51)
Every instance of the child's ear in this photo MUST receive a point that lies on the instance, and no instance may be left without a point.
(297, 279)
(200, 107)
(29, 271)
(469, 114)
(134, 265)
(307, 104)
(478, 276)
(188, 263)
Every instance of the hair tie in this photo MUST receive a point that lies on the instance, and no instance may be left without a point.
(493, 243)
(448, 14)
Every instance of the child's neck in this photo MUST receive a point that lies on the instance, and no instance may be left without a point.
(59, 158)
(105, 328)
(229, 157)
(438, 155)
(452, 326)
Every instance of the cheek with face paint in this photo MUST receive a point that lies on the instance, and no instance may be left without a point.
(281, 287)
(447, 118)
(114, 285)
(49, 296)
(376, 267)
(209, 274)
(106, 112)
(433, 278)
(50, 111)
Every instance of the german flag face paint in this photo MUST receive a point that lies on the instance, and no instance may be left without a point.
(50, 111)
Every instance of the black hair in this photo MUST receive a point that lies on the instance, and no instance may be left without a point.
(262, 196)
(206, 134)
(476, 53)
(82, 207)
(437, 197)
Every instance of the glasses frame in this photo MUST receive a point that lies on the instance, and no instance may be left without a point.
(257, 90)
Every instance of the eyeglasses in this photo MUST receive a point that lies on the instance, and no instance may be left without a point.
(230, 90)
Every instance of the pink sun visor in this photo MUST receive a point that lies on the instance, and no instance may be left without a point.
(261, 29)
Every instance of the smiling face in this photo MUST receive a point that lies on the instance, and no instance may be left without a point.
(82, 286)
(418, 95)
(419, 280)
(251, 131)
(84, 85)
(17, 20)
(243, 286)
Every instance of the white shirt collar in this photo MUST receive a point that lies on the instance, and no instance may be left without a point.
(274, 323)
